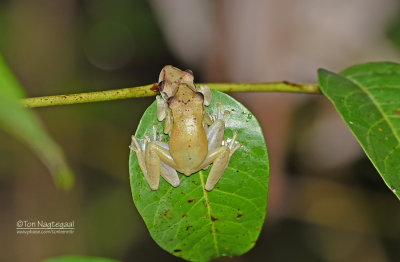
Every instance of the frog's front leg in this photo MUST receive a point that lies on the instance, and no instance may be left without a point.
(220, 157)
(166, 171)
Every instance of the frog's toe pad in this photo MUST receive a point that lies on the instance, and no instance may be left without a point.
(232, 144)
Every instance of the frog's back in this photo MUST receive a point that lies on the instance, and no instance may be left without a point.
(188, 147)
(188, 141)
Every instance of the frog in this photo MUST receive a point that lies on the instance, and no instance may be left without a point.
(196, 140)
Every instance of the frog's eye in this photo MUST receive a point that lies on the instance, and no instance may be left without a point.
(189, 71)
(199, 95)
(161, 85)
(171, 100)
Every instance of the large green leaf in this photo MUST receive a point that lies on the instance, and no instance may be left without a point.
(198, 225)
(367, 96)
(25, 126)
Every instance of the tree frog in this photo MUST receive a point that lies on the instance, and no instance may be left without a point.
(195, 139)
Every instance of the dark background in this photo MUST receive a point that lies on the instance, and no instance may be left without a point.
(326, 201)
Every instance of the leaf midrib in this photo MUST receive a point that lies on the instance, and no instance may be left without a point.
(365, 90)
(213, 232)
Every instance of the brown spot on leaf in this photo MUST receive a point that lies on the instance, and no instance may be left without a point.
(213, 218)
(166, 213)
(184, 215)
(177, 250)
(380, 129)
(397, 111)
(188, 227)
(238, 216)
(191, 200)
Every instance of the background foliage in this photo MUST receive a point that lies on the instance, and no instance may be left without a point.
(367, 97)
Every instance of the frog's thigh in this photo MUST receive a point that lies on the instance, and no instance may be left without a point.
(220, 159)
(215, 134)
(159, 161)
(167, 172)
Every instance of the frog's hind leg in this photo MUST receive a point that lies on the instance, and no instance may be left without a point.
(158, 161)
(169, 174)
(166, 171)
(220, 158)
(155, 156)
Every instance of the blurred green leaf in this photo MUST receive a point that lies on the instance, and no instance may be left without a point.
(393, 30)
(25, 126)
(367, 96)
(198, 225)
(73, 258)
(119, 225)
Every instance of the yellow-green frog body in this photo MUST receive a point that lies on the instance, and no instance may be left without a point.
(194, 140)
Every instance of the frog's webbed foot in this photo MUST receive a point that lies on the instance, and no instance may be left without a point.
(232, 144)
(153, 144)
(139, 146)
(219, 115)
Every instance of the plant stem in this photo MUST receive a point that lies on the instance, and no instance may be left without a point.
(145, 91)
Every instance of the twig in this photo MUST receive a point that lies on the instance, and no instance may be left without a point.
(145, 91)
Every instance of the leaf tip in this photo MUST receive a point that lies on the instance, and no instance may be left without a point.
(64, 179)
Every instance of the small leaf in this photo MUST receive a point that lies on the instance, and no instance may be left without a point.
(367, 96)
(75, 258)
(198, 225)
(25, 126)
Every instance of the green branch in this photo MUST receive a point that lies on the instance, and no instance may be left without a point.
(145, 91)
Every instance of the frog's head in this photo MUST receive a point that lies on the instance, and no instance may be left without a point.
(186, 102)
(171, 77)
